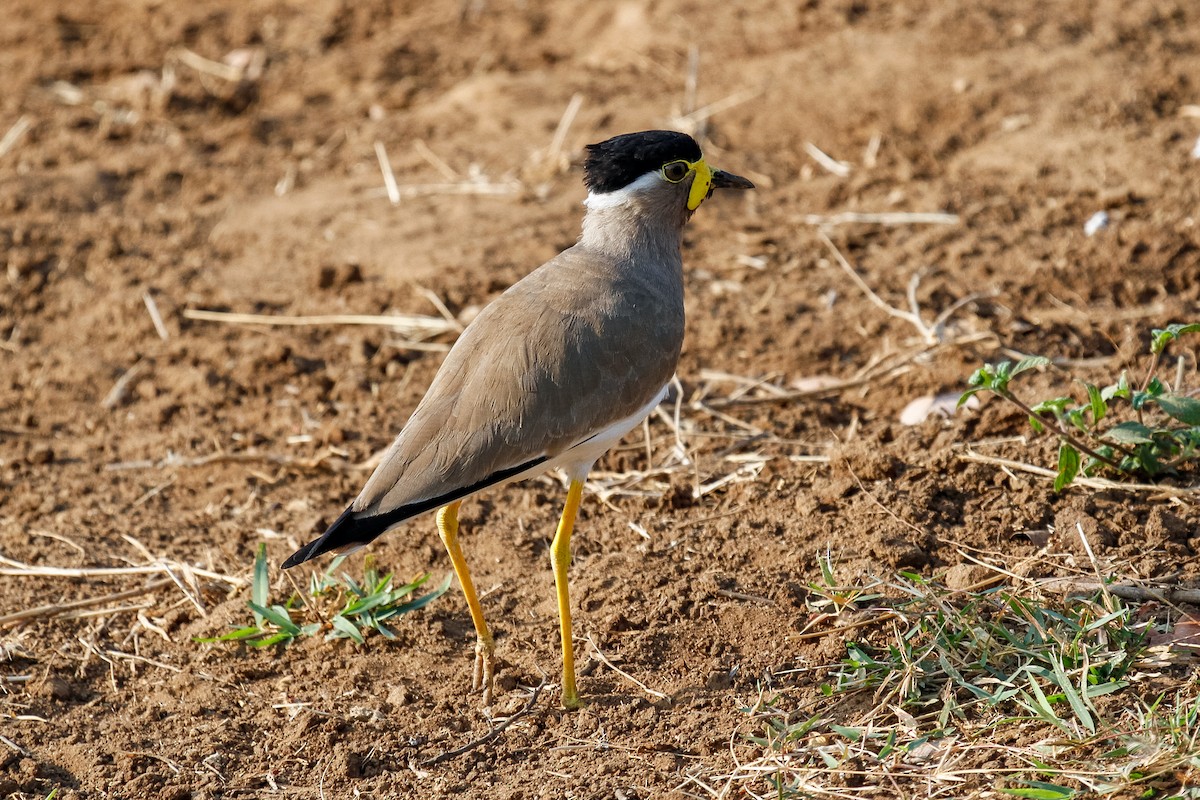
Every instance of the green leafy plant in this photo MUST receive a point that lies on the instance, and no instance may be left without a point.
(341, 606)
(1145, 430)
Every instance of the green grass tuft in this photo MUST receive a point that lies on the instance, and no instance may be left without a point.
(337, 604)
(1045, 698)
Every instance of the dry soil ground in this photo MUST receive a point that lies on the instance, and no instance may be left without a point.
(222, 155)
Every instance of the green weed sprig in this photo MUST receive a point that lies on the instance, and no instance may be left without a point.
(343, 607)
(1134, 431)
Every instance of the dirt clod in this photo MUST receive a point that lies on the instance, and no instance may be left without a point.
(53, 687)
(40, 454)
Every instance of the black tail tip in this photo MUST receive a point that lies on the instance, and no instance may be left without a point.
(298, 557)
(346, 533)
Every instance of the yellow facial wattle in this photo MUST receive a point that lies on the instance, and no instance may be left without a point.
(702, 178)
(701, 184)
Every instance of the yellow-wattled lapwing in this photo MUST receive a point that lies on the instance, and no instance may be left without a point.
(553, 372)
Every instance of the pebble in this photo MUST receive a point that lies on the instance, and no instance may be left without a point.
(1096, 223)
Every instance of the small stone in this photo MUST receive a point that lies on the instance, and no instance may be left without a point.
(965, 576)
(54, 687)
(905, 555)
(1096, 223)
(326, 276)
(399, 696)
(338, 277)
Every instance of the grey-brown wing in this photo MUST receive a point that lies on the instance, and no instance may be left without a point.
(575, 346)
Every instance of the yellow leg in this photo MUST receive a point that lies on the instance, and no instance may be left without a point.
(481, 679)
(560, 559)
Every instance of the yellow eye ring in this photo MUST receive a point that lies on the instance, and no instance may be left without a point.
(676, 171)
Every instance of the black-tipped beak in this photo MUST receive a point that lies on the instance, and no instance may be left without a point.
(727, 180)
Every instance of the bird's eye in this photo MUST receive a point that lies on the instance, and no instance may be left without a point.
(675, 171)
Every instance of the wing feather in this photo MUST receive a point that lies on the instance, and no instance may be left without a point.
(581, 342)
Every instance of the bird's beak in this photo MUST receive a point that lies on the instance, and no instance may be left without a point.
(727, 180)
(708, 180)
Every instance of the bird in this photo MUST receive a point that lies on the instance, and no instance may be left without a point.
(552, 373)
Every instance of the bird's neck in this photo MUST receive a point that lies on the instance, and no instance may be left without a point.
(628, 232)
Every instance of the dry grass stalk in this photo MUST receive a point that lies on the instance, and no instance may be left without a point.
(686, 421)
(1067, 313)
(490, 735)
(163, 566)
(694, 121)
(245, 70)
(879, 369)
(931, 334)
(437, 303)
(745, 383)
(155, 317)
(153, 492)
(809, 394)
(16, 748)
(829, 163)
(633, 483)
(934, 770)
(1171, 595)
(58, 537)
(870, 496)
(909, 317)
(67, 609)
(554, 154)
(1181, 493)
(67, 93)
(753, 431)
(448, 172)
(691, 83)
(603, 659)
(287, 182)
(175, 768)
(119, 393)
(744, 597)
(190, 588)
(142, 659)
(331, 460)
(413, 326)
(144, 621)
(420, 347)
(871, 154)
(389, 177)
(743, 474)
(886, 218)
(462, 188)
(14, 134)
(880, 615)
(1087, 548)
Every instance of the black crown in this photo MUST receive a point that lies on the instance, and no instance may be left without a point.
(617, 162)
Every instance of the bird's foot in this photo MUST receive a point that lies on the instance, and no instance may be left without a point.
(484, 676)
(571, 700)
